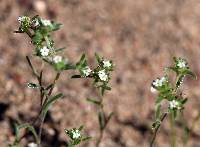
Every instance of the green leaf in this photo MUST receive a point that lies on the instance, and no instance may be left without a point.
(82, 63)
(37, 38)
(102, 90)
(109, 117)
(76, 76)
(107, 87)
(158, 111)
(33, 85)
(60, 66)
(56, 26)
(81, 128)
(183, 101)
(69, 67)
(102, 120)
(98, 58)
(94, 101)
(26, 126)
(49, 87)
(82, 59)
(190, 73)
(50, 102)
(86, 138)
(179, 80)
(172, 68)
(60, 49)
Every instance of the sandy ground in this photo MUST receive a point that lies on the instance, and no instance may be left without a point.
(141, 36)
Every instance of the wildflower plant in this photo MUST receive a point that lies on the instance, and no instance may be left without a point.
(101, 74)
(39, 31)
(170, 92)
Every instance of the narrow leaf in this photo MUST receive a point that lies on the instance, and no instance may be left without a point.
(76, 76)
(102, 120)
(52, 100)
(94, 101)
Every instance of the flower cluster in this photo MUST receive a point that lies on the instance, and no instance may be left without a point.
(101, 73)
(25, 23)
(181, 63)
(159, 82)
(39, 30)
(76, 133)
(169, 91)
(86, 71)
(75, 136)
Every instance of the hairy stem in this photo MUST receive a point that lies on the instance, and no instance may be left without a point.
(47, 97)
(156, 130)
(100, 138)
(173, 131)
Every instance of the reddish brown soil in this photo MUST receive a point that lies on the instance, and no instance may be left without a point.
(141, 36)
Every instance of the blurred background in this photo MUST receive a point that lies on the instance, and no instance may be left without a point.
(140, 36)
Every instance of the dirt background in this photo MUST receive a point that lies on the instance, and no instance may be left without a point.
(141, 36)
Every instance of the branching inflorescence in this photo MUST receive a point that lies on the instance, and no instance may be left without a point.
(171, 93)
(39, 31)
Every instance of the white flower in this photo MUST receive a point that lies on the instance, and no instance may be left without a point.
(153, 90)
(86, 71)
(44, 51)
(107, 64)
(57, 59)
(159, 82)
(21, 19)
(46, 22)
(181, 64)
(32, 144)
(76, 134)
(35, 22)
(102, 75)
(173, 104)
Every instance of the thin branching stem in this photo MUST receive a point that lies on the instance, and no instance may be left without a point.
(156, 130)
(173, 132)
(100, 138)
(47, 97)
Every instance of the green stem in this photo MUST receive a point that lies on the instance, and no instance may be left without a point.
(47, 97)
(186, 130)
(156, 130)
(173, 131)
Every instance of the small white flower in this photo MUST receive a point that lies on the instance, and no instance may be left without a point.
(35, 23)
(159, 82)
(21, 18)
(181, 64)
(76, 134)
(32, 144)
(46, 22)
(102, 75)
(173, 104)
(86, 71)
(44, 51)
(107, 64)
(153, 90)
(57, 59)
